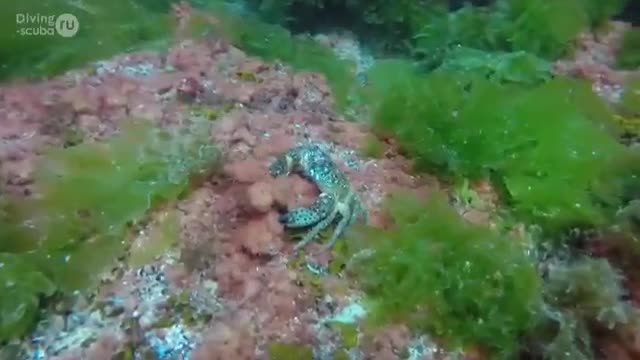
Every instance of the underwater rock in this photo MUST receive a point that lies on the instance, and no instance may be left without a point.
(231, 253)
(595, 59)
(231, 290)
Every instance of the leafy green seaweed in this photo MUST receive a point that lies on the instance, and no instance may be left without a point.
(21, 284)
(544, 28)
(95, 191)
(550, 147)
(601, 11)
(630, 101)
(106, 28)
(517, 67)
(89, 196)
(629, 54)
(439, 273)
(471, 286)
(283, 351)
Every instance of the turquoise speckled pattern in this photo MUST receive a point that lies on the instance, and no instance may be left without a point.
(337, 197)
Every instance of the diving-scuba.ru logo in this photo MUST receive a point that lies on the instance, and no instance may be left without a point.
(65, 25)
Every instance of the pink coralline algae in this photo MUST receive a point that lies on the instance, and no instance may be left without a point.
(594, 60)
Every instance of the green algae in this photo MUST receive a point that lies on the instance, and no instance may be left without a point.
(473, 287)
(543, 28)
(162, 235)
(630, 102)
(440, 274)
(550, 147)
(284, 351)
(600, 12)
(349, 334)
(467, 197)
(21, 284)
(532, 31)
(545, 171)
(342, 355)
(629, 55)
(373, 147)
(96, 187)
(89, 196)
(516, 67)
(247, 76)
(105, 29)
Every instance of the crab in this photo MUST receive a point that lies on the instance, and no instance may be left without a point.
(337, 196)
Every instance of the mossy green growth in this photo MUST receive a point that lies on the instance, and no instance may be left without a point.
(516, 67)
(247, 76)
(162, 235)
(283, 351)
(544, 28)
(106, 28)
(629, 55)
(630, 102)
(467, 197)
(549, 148)
(601, 11)
(349, 334)
(89, 195)
(373, 147)
(94, 191)
(21, 284)
(469, 27)
(441, 274)
(12, 233)
(342, 354)
(274, 43)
